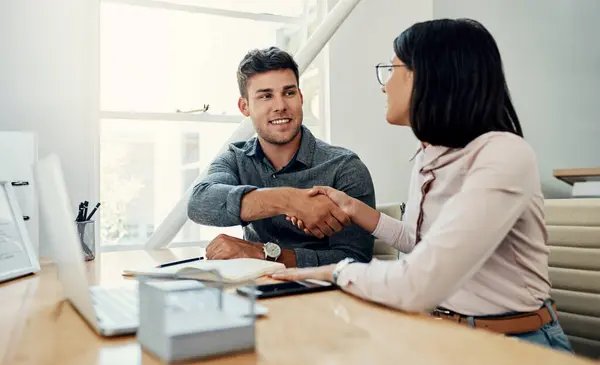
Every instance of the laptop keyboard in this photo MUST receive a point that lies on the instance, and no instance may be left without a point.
(116, 307)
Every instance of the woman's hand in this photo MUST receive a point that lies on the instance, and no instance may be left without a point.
(341, 199)
(323, 273)
(345, 202)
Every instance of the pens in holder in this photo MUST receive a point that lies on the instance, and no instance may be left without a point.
(180, 262)
(82, 214)
(85, 228)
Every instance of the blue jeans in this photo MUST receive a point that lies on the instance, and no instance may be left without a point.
(550, 335)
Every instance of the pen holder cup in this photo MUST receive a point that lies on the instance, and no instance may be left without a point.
(87, 237)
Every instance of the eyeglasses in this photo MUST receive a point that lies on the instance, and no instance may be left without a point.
(384, 72)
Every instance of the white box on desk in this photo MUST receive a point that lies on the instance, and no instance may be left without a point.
(586, 189)
(182, 320)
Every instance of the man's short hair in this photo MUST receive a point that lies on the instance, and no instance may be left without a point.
(263, 60)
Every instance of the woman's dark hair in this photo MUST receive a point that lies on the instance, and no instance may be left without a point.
(459, 90)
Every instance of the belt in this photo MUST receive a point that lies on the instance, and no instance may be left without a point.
(511, 324)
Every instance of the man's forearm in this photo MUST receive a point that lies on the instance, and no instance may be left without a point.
(265, 203)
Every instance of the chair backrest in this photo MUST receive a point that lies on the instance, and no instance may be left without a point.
(381, 250)
(574, 239)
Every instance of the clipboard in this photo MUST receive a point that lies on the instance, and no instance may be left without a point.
(17, 256)
(21, 146)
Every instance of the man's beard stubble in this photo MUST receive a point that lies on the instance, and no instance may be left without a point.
(273, 140)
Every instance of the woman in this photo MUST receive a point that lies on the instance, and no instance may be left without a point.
(473, 229)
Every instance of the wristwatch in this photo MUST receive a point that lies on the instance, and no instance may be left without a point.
(340, 266)
(272, 251)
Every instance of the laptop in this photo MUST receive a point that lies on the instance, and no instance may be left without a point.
(110, 311)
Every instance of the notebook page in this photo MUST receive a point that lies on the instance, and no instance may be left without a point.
(234, 270)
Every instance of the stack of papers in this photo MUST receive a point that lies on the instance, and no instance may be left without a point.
(231, 271)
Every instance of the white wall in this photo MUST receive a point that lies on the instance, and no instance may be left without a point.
(357, 109)
(551, 55)
(552, 62)
(49, 82)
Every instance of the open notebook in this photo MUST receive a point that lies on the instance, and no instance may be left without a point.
(232, 271)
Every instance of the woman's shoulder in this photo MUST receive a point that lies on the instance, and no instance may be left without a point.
(502, 146)
(503, 152)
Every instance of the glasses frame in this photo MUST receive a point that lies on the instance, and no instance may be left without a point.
(384, 65)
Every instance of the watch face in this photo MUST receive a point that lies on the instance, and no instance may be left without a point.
(272, 249)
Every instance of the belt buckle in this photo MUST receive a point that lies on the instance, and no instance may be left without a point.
(436, 312)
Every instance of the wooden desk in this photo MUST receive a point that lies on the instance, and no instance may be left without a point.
(571, 176)
(37, 327)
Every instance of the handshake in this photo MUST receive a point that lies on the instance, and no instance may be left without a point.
(320, 211)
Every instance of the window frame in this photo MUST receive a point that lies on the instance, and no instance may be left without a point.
(205, 117)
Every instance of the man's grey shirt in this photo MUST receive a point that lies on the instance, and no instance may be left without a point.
(216, 201)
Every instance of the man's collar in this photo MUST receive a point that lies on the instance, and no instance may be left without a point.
(251, 147)
(304, 154)
(254, 149)
(307, 148)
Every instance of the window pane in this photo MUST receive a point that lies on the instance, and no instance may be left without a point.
(174, 60)
(292, 8)
(143, 175)
(190, 151)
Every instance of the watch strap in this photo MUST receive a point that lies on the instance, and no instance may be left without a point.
(339, 267)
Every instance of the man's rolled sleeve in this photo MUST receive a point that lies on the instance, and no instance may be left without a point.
(217, 200)
(234, 202)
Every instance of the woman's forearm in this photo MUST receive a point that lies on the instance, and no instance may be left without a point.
(364, 215)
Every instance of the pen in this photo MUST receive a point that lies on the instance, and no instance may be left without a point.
(78, 219)
(93, 211)
(85, 207)
(180, 262)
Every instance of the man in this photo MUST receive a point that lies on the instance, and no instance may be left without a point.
(257, 183)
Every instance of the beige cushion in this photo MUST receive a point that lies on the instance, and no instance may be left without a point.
(394, 210)
(585, 346)
(577, 302)
(574, 236)
(574, 239)
(382, 250)
(575, 280)
(572, 212)
(580, 325)
(575, 258)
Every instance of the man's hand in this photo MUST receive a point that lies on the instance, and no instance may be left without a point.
(225, 247)
(321, 216)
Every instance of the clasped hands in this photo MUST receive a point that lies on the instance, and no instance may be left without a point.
(320, 211)
(344, 203)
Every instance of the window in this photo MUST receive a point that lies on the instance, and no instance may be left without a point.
(169, 99)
